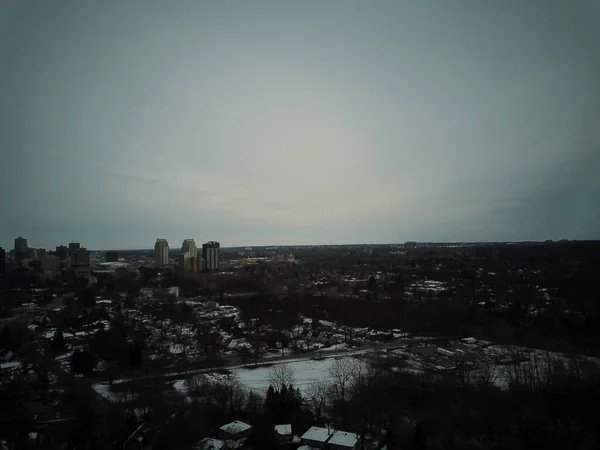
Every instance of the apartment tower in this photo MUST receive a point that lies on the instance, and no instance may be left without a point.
(210, 254)
(161, 253)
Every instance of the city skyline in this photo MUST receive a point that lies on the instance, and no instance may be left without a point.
(293, 123)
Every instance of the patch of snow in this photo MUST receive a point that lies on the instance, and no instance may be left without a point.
(342, 346)
(305, 372)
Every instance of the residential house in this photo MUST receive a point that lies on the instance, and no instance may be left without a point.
(316, 437)
(210, 444)
(343, 440)
(284, 433)
(234, 431)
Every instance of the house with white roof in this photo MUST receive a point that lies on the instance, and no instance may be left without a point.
(284, 432)
(210, 444)
(234, 431)
(326, 438)
(316, 437)
(343, 440)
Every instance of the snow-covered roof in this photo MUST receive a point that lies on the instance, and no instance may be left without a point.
(444, 352)
(14, 365)
(283, 430)
(210, 444)
(235, 427)
(344, 439)
(317, 434)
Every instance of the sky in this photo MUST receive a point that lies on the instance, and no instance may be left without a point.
(298, 122)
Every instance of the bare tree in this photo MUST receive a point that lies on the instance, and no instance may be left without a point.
(258, 350)
(280, 375)
(343, 371)
(235, 391)
(316, 394)
(296, 335)
(194, 383)
(348, 334)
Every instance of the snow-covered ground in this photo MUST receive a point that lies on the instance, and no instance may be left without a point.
(305, 372)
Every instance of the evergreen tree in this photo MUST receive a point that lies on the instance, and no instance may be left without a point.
(270, 400)
(58, 341)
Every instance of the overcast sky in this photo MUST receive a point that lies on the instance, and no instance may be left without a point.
(297, 122)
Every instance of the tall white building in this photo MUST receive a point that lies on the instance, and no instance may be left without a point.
(210, 253)
(161, 253)
(189, 246)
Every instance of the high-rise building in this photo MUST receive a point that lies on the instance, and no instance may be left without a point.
(80, 257)
(161, 253)
(51, 263)
(189, 246)
(210, 253)
(73, 247)
(40, 254)
(186, 262)
(62, 252)
(2, 260)
(21, 248)
(32, 253)
(111, 256)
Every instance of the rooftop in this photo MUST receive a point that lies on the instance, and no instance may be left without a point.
(317, 434)
(343, 438)
(210, 444)
(235, 427)
(283, 430)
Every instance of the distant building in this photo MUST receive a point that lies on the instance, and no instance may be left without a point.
(51, 263)
(111, 256)
(161, 253)
(210, 253)
(62, 252)
(21, 248)
(200, 264)
(73, 247)
(80, 257)
(32, 254)
(189, 246)
(2, 260)
(185, 261)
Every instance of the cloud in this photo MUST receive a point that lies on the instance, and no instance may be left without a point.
(276, 121)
